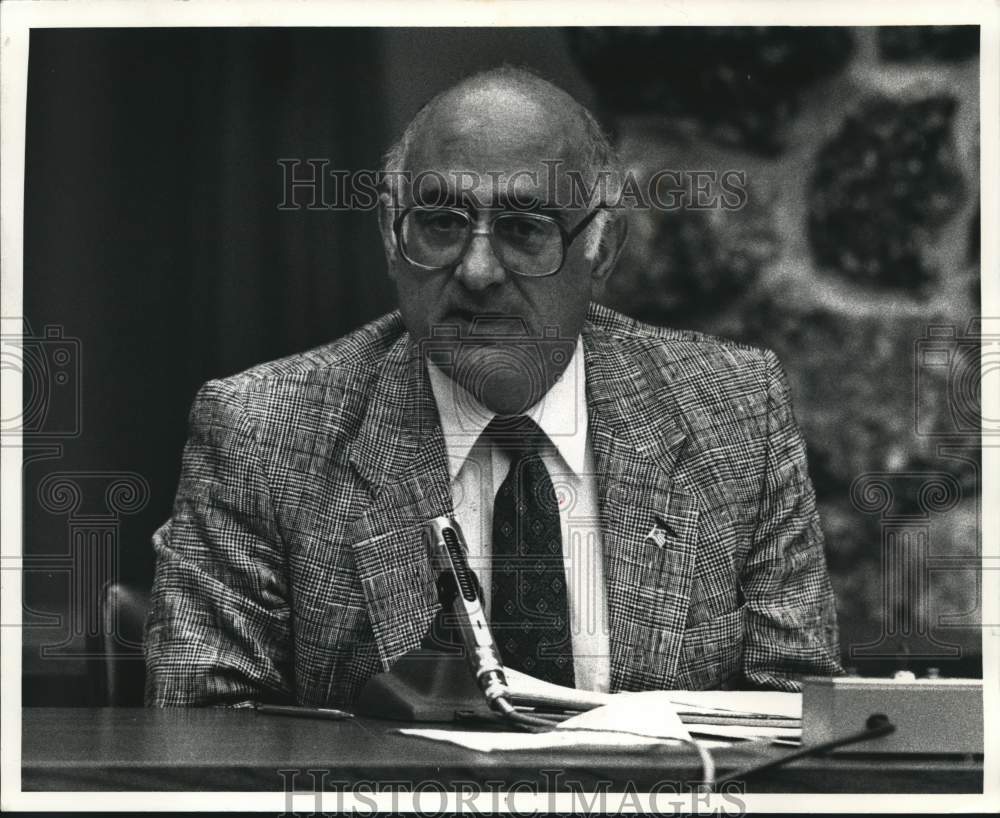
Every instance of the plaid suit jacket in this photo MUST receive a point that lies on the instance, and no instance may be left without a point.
(293, 567)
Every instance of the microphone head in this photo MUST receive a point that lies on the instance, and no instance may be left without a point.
(449, 555)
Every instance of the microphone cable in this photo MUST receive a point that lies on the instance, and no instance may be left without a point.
(876, 726)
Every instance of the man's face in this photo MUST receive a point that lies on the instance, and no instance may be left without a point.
(493, 314)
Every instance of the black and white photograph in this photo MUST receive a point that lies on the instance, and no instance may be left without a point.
(499, 407)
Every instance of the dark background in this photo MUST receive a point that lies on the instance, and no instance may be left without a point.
(155, 258)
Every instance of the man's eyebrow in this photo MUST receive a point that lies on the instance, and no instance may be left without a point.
(432, 194)
(522, 203)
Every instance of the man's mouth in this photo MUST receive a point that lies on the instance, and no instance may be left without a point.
(461, 314)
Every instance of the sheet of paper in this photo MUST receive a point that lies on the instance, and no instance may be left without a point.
(767, 703)
(651, 714)
(491, 742)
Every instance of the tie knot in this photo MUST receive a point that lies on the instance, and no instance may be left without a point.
(515, 434)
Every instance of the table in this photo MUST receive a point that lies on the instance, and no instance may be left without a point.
(116, 749)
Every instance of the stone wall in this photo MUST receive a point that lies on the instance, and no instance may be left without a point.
(854, 254)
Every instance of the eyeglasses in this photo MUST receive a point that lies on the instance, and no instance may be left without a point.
(528, 244)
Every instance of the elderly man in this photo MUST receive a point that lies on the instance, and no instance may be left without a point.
(635, 500)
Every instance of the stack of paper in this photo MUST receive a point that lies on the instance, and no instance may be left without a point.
(732, 714)
(636, 719)
(740, 713)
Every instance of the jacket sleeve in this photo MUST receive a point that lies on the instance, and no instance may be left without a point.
(791, 619)
(219, 627)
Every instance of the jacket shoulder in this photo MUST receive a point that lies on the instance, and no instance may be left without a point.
(686, 353)
(334, 380)
(362, 349)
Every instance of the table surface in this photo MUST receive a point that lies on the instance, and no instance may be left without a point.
(114, 749)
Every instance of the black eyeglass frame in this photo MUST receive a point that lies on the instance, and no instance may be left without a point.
(568, 236)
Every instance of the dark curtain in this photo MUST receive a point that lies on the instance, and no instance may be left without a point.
(156, 254)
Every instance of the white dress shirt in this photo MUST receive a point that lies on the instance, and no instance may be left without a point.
(478, 468)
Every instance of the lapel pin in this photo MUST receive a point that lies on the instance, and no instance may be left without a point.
(657, 535)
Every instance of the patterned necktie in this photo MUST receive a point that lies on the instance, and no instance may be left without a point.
(529, 611)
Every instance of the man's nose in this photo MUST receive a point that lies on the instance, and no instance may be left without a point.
(480, 268)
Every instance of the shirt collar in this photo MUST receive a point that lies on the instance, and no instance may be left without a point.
(561, 413)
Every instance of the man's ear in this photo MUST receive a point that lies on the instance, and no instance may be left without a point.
(386, 214)
(612, 241)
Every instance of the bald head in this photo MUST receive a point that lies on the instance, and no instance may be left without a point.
(504, 113)
(498, 121)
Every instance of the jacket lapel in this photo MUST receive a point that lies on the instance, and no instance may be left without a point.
(648, 522)
(401, 456)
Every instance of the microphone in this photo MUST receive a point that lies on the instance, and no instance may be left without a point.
(458, 590)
